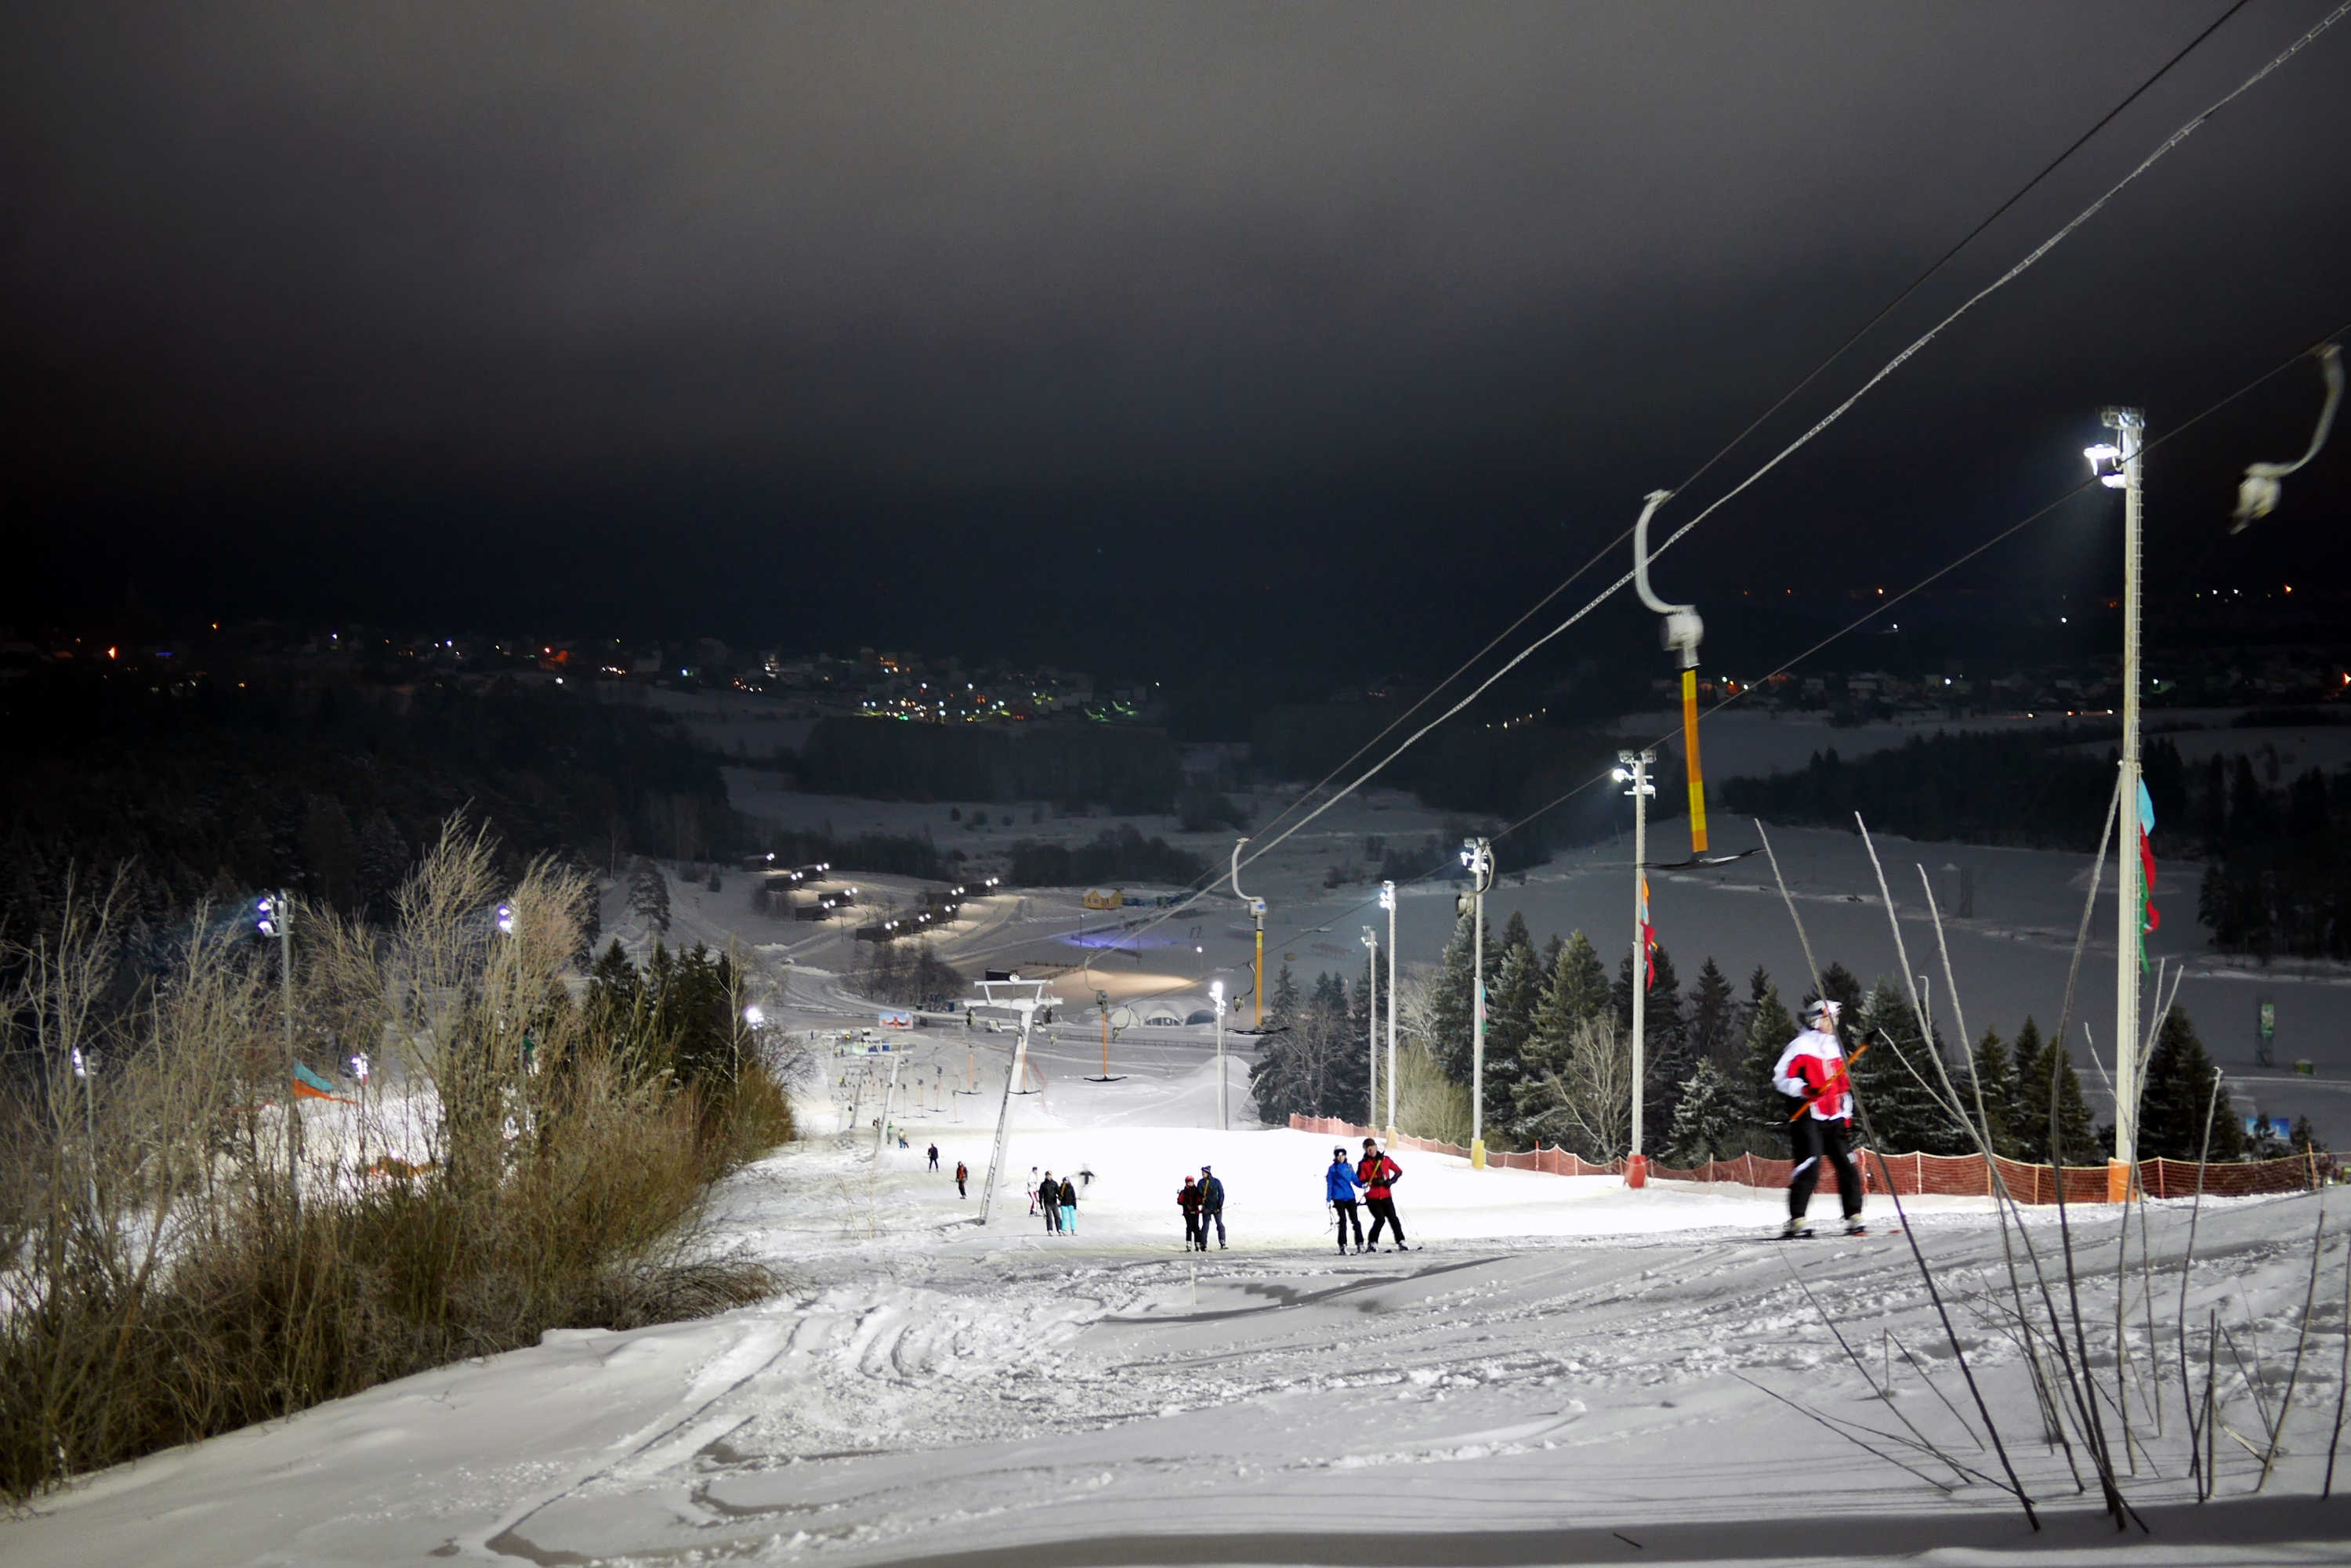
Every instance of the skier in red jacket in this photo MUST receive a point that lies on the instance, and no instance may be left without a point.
(1813, 1069)
(1379, 1175)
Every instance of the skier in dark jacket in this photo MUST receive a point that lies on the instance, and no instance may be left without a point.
(1069, 1206)
(1379, 1175)
(1188, 1200)
(1048, 1200)
(1339, 1185)
(1212, 1207)
(962, 1175)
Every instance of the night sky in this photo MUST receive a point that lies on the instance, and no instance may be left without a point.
(1122, 334)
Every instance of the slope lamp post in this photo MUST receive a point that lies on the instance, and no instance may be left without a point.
(2118, 465)
(1477, 855)
(1633, 771)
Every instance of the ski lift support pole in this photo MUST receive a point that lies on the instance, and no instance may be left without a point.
(1257, 913)
(1027, 1007)
(1682, 632)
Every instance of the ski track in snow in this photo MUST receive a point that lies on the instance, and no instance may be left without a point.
(1559, 1373)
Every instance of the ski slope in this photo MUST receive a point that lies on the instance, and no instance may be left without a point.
(1563, 1371)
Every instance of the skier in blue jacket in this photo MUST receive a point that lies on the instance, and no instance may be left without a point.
(1339, 1185)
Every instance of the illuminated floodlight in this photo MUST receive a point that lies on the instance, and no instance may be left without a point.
(2106, 463)
(360, 1067)
(506, 919)
(753, 1016)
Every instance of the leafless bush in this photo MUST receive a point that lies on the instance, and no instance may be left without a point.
(174, 1269)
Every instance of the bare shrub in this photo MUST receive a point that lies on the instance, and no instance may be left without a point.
(191, 1248)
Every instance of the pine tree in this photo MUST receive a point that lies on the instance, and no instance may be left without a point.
(1707, 1120)
(1896, 1084)
(649, 897)
(2043, 1070)
(1665, 1039)
(1768, 1031)
(1512, 996)
(1451, 1003)
(2177, 1095)
(1714, 1034)
(1994, 1077)
(1575, 994)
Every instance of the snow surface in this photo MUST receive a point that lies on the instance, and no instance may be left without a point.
(1565, 1370)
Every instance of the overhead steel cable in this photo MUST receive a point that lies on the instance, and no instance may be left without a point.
(1878, 609)
(1908, 352)
(1810, 376)
(1911, 349)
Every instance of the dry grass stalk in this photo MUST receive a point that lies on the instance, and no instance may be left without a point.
(510, 1167)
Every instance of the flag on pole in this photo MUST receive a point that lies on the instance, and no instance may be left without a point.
(2149, 916)
(1648, 940)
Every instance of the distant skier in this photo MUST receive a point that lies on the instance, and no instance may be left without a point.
(1813, 1069)
(1049, 1198)
(1069, 1206)
(962, 1175)
(1212, 1207)
(1339, 1185)
(934, 1157)
(1379, 1175)
(1032, 1192)
(1188, 1200)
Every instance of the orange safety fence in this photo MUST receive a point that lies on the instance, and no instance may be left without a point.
(1911, 1174)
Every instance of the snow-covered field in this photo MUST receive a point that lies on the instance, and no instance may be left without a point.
(1563, 1371)
(2010, 955)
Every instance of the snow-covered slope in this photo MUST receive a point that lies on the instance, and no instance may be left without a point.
(1564, 1371)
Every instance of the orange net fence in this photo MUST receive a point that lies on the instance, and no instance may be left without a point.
(1909, 1175)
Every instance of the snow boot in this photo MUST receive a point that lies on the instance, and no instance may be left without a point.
(1796, 1227)
(1854, 1226)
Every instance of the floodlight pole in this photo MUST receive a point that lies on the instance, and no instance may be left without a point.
(1478, 855)
(283, 910)
(1216, 995)
(1372, 1022)
(2130, 427)
(1388, 903)
(1633, 771)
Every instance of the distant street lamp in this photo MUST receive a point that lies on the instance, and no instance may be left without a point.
(1388, 903)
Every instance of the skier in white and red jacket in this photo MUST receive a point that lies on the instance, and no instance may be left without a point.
(1813, 1069)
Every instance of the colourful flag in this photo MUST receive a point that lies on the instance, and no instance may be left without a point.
(2149, 916)
(1648, 941)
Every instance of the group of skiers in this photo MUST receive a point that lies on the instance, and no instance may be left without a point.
(1375, 1175)
(1057, 1199)
(1812, 1070)
(1203, 1205)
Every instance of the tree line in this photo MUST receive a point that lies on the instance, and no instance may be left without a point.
(2276, 850)
(1559, 1070)
(212, 790)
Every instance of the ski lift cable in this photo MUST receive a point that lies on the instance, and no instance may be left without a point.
(1810, 376)
(1834, 414)
(1877, 610)
(1909, 351)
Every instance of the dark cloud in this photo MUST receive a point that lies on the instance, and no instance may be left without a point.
(1172, 283)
